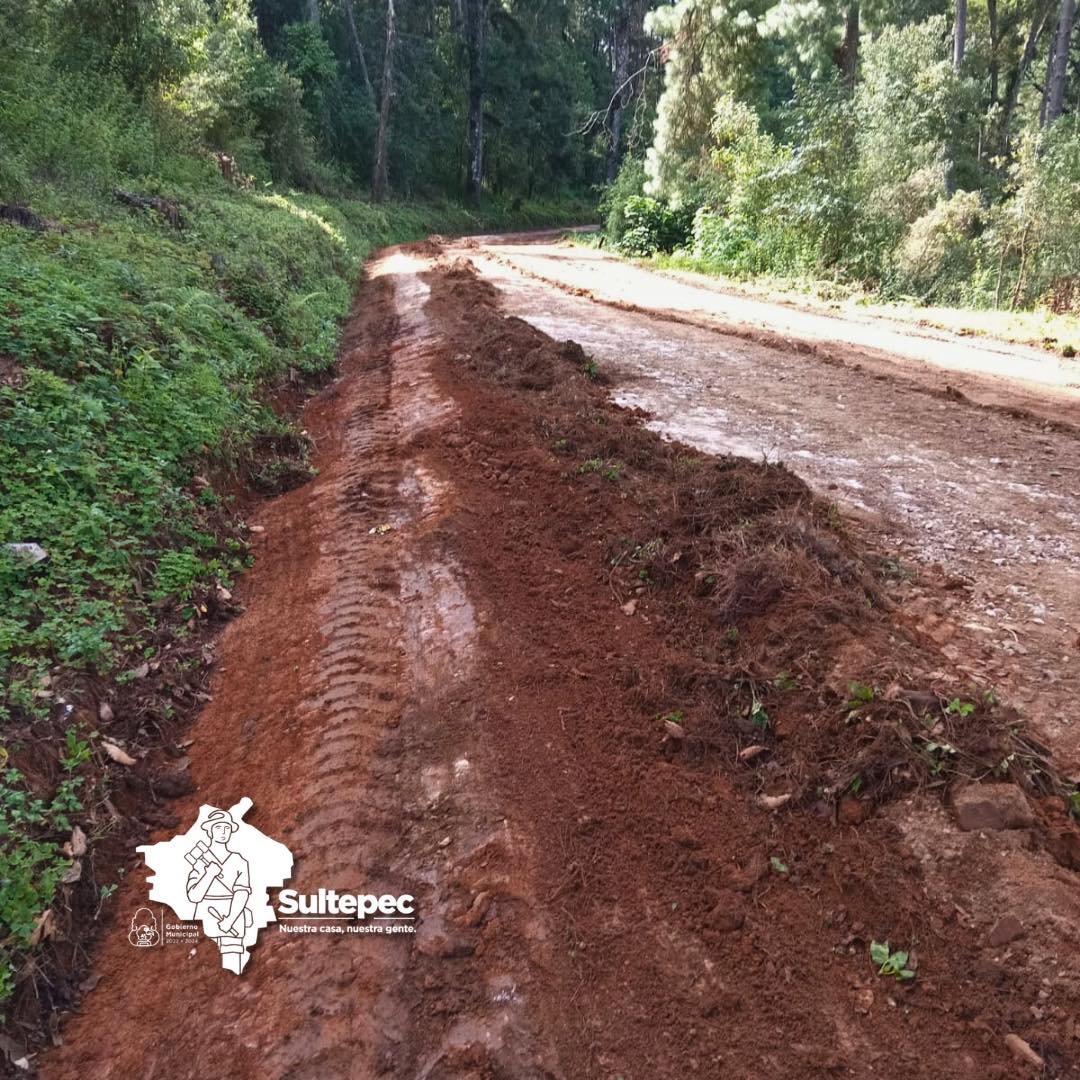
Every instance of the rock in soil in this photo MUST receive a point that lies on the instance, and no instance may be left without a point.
(1006, 929)
(992, 808)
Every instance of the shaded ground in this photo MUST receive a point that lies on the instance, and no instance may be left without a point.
(586, 694)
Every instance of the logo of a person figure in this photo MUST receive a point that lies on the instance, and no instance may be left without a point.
(219, 885)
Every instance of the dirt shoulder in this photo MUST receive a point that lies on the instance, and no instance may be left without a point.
(589, 694)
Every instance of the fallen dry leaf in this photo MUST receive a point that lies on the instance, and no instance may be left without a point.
(748, 753)
(43, 928)
(78, 842)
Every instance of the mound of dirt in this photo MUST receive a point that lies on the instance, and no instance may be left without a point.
(789, 619)
(741, 711)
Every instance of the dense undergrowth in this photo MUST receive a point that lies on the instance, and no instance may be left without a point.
(144, 353)
(905, 184)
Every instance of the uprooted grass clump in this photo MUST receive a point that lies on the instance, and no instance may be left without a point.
(800, 663)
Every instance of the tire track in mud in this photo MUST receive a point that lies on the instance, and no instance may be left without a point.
(356, 642)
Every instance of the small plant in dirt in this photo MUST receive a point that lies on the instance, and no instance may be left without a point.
(759, 717)
(561, 446)
(76, 751)
(939, 754)
(860, 694)
(785, 681)
(892, 569)
(590, 370)
(1004, 766)
(685, 464)
(889, 963)
(779, 865)
(33, 861)
(1074, 805)
(731, 635)
(956, 707)
(610, 470)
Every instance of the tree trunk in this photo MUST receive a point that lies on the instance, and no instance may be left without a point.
(621, 57)
(311, 11)
(475, 27)
(357, 48)
(1059, 63)
(378, 179)
(851, 46)
(1012, 95)
(995, 48)
(959, 34)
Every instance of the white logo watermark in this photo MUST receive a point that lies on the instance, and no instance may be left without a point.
(219, 874)
(217, 877)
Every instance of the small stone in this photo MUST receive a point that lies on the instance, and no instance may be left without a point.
(992, 807)
(434, 939)
(1023, 1051)
(1006, 929)
(105, 713)
(852, 811)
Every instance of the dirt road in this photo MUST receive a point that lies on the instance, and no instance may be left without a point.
(586, 693)
(991, 498)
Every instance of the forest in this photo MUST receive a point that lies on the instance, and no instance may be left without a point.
(925, 151)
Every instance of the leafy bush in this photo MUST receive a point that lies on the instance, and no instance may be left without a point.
(1032, 241)
(937, 253)
(652, 226)
(629, 183)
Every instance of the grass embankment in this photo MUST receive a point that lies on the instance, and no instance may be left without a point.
(141, 351)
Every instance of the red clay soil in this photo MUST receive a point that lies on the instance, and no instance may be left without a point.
(511, 652)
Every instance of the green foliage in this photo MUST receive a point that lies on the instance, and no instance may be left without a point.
(1030, 248)
(652, 226)
(895, 183)
(629, 184)
(759, 717)
(889, 963)
(32, 863)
